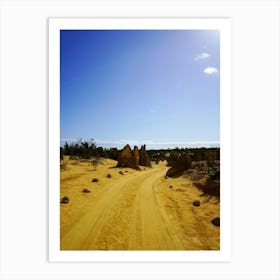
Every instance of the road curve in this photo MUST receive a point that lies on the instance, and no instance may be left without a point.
(127, 215)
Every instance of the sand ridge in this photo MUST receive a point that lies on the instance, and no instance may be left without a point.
(139, 210)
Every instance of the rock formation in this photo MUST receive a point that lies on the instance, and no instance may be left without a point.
(133, 159)
(182, 164)
(125, 157)
(143, 157)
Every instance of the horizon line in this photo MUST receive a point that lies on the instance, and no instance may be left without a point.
(150, 144)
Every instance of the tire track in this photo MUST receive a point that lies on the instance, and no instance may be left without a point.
(154, 229)
(84, 234)
(128, 215)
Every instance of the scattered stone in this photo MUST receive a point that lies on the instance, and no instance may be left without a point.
(65, 199)
(109, 175)
(216, 222)
(121, 172)
(86, 190)
(196, 203)
(170, 187)
(94, 180)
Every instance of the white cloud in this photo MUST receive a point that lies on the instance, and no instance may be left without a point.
(211, 70)
(150, 144)
(202, 56)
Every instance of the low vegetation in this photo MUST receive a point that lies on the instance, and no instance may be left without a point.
(88, 149)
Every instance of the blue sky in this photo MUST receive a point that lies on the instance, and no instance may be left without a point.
(160, 87)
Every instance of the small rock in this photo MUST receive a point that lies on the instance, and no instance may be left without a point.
(94, 180)
(65, 199)
(86, 190)
(216, 222)
(121, 172)
(109, 175)
(170, 187)
(196, 203)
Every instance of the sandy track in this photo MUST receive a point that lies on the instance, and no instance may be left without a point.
(154, 230)
(127, 215)
(137, 211)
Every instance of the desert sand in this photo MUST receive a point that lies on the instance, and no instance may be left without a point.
(136, 210)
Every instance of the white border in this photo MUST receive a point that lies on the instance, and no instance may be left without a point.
(222, 24)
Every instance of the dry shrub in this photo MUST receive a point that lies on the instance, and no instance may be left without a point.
(63, 165)
(208, 186)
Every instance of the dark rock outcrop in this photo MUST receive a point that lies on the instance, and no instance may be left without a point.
(208, 185)
(182, 164)
(205, 176)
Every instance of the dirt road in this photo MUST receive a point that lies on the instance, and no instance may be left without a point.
(135, 213)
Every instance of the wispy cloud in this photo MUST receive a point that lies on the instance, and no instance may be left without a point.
(152, 110)
(211, 70)
(202, 56)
